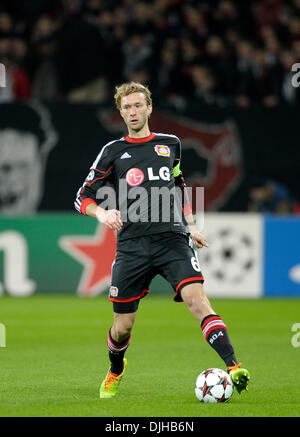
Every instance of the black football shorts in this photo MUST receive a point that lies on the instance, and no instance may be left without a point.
(139, 260)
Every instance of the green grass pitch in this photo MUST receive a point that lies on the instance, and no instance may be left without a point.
(56, 357)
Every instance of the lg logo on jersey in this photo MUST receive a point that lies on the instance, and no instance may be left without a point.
(164, 174)
(135, 176)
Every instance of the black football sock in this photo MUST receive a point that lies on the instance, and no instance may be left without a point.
(116, 352)
(215, 333)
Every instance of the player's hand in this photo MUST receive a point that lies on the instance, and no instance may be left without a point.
(110, 218)
(198, 239)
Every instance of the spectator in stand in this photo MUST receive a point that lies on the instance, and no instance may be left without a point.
(260, 84)
(75, 43)
(169, 77)
(273, 50)
(296, 49)
(294, 28)
(142, 21)
(264, 81)
(288, 93)
(270, 12)
(19, 48)
(226, 15)
(45, 75)
(81, 56)
(295, 8)
(267, 196)
(137, 54)
(204, 84)
(6, 25)
(194, 24)
(17, 81)
(243, 72)
(190, 53)
(91, 10)
(219, 62)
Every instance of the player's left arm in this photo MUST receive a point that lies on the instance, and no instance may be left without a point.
(198, 239)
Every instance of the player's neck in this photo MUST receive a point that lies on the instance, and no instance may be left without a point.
(142, 133)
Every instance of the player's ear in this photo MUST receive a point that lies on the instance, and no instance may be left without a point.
(149, 110)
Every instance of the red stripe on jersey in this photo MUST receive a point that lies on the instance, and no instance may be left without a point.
(187, 209)
(84, 204)
(186, 203)
(104, 174)
(100, 171)
(140, 140)
(91, 183)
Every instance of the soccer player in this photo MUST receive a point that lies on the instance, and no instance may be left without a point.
(148, 244)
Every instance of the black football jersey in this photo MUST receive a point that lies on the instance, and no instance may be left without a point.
(136, 177)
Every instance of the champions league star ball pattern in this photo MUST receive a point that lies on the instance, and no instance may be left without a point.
(231, 256)
(213, 386)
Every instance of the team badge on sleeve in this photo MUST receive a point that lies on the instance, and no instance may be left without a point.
(90, 176)
(162, 150)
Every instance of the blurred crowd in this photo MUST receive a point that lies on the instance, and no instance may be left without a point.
(214, 51)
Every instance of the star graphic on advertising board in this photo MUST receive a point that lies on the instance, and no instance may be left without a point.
(96, 253)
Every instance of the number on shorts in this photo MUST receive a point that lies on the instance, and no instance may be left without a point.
(195, 263)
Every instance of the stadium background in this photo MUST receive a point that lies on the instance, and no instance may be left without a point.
(221, 79)
(220, 74)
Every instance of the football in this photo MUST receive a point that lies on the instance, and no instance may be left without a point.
(213, 386)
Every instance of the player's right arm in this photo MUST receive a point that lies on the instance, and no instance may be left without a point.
(86, 203)
(110, 218)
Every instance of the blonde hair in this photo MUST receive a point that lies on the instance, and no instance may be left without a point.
(131, 87)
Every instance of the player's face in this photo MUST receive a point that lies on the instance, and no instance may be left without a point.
(135, 111)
